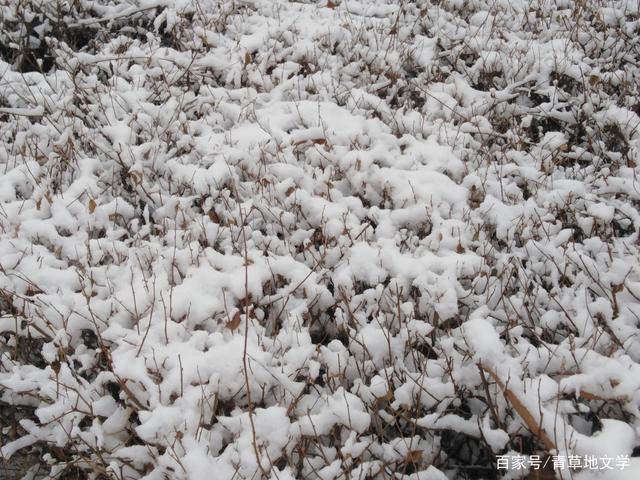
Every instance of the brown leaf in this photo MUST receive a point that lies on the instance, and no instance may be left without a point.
(55, 366)
(213, 216)
(316, 141)
(387, 396)
(136, 177)
(92, 205)
(330, 4)
(58, 453)
(414, 456)
(617, 288)
(590, 396)
(247, 58)
(235, 321)
(460, 248)
(522, 410)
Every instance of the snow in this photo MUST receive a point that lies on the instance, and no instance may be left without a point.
(338, 239)
(483, 341)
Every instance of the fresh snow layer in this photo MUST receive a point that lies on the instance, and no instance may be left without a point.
(340, 239)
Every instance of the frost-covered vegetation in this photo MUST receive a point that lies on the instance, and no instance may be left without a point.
(357, 239)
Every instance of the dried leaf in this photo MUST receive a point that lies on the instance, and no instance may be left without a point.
(92, 205)
(414, 456)
(136, 177)
(55, 366)
(330, 4)
(213, 216)
(522, 410)
(590, 396)
(247, 58)
(388, 396)
(317, 141)
(235, 321)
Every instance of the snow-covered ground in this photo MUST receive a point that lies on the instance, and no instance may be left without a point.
(356, 239)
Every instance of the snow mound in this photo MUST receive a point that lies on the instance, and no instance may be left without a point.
(339, 239)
